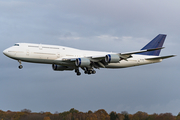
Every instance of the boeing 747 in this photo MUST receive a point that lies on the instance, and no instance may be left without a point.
(66, 58)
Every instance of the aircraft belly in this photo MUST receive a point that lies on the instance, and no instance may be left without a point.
(36, 60)
(131, 63)
(121, 64)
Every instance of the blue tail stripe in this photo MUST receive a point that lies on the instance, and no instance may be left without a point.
(155, 43)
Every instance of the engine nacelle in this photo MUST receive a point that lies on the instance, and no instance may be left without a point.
(112, 58)
(61, 68)
(82, 62)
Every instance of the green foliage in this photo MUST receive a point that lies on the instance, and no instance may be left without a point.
(126, 117)
(113, 115)
(152, 117)
(72, 110)
(124, 112)
(64, 113)
(178, 116)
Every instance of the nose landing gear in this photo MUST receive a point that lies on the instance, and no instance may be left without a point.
(20, 66)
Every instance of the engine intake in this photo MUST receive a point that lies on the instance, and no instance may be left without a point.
(82, 62)
(112, 58)
(61, 68)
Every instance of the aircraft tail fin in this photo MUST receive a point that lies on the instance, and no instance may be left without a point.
(157, 42)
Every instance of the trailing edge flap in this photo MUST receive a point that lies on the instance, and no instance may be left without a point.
(97, 58)
(128, 54)
(160, 57)
(67, 59)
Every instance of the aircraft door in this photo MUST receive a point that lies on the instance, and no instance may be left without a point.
(40, 47)
(27, 52)
(58, 54)
(140, 61)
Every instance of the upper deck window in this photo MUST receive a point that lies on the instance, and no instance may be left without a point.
(16, 44)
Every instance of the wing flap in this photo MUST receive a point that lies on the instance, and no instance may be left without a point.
(92, 58)
(68, 59)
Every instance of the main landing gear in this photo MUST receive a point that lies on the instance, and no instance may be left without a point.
(20, 66)
(90, 72)
(86, 71)
(77, 72)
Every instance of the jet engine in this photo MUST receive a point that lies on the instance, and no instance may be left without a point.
(82, 62)
(61, 68)
(112, 58)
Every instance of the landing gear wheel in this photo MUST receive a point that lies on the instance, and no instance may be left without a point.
(78, 73)
(20, 66)
(93, 72)
(89, 72)
(76, 70)
(86, 72)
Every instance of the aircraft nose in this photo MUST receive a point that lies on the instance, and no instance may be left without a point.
(5, 52)
(9, 52)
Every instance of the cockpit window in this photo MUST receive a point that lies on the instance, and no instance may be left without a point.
(16, 44)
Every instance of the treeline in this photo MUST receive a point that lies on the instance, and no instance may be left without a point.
(74, 114)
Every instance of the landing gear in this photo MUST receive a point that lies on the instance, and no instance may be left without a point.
(20, 66)
(93, 72)
(85, 72)
(89, 70)
(77, 72)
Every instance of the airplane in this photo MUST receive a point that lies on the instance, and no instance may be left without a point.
(69, 59)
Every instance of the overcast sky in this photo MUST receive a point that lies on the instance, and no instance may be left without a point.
(103, 25)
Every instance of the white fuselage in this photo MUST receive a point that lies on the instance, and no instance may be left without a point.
(51, 54)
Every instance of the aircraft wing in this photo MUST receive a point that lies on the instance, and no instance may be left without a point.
(160, 57)
(98, 58)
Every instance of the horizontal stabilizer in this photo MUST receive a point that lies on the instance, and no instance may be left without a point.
(142, 51)
(160, 57)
